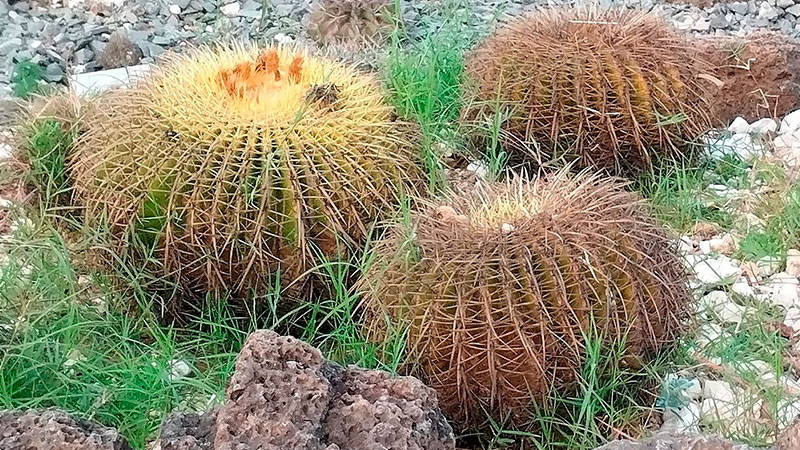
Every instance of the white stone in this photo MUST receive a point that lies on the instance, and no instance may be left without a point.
(787, 410)
(507, 228)
(790, 385)
(479, 168)
(769, 265)
(783, 289)
(793, 262)
(94, 82)
(717, 271)
(684, 420)
(763, 126)
(178, 369)
(739, 125)
(685, 245)
(790, 122)
(743, 288)
(794, 10)
(701, 24)
(719, 399)
(732, 410)
(768, 12)
(707, 334)
(231, 9)
(6, 151)
(725, 245)
(705, 247)
(283, 38)
(723, 307)
(755, 367)
(175, 9)
(792, 319)
(713, 299)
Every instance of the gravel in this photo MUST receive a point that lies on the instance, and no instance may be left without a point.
(67, 36)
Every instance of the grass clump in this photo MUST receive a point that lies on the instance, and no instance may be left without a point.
(424, 85)
(25, 78)
(761, 244)
(47, 148)
(675, 191)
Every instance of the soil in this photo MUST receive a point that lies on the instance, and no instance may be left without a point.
(761, 75)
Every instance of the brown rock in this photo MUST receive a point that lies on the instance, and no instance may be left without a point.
(52, 429)
(677, 441)
(704, 230)
(285, 395)
(761, 75)
(789, 439)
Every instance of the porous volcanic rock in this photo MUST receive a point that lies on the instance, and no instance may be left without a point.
(285, 395)
(51, 429)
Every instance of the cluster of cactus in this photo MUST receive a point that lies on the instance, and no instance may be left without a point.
(497, 288)
(234, 163)
(337, 21)
(611, 89)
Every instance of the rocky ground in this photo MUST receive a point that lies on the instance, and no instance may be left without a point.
(73, 36)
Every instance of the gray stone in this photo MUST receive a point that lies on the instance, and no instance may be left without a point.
(150, 49)
(9, 46)
(83, 56)
(738, 7)
(768, 12)
(53, 73)
(794, 10)
(161, 40)
(35, 27)
(784, 3)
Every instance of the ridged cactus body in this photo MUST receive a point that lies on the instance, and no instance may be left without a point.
(236, 162)
(497, 290)
(337, 21)
(613, 89)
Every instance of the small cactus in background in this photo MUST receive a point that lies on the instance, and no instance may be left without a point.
(119, 52)
(238, 162)
(337, 21)
(497, 289)
(612, 89)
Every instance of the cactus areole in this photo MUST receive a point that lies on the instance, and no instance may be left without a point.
(234, 163)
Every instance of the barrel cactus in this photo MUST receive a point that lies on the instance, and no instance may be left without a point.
(235, 162)
(614, 89)
(497, 289)
(336, 21)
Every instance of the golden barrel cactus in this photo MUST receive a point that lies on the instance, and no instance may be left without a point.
(236, 162)
(497, 289)
(613, 89)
